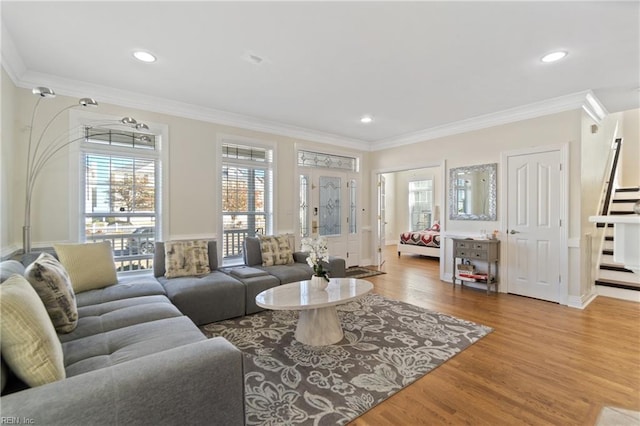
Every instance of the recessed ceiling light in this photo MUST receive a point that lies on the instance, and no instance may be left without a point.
(554, 56)
(366, 119)
(143, 56)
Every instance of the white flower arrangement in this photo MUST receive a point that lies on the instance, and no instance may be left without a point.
(318, 253)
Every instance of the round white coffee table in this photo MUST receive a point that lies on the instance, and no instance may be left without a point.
(318, 323)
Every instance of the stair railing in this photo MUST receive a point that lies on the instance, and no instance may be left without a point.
(612, 177)
(596, 257)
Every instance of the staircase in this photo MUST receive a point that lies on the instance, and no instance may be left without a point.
(612, 274)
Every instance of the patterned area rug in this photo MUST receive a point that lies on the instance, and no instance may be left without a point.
(361, 272)
(387, 345)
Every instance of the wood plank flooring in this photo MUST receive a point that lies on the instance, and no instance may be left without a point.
(544, 364)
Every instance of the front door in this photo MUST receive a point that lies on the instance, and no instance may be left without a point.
(329, 210)
(533, 225)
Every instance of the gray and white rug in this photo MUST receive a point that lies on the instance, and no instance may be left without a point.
(387, 345)
(361, 272)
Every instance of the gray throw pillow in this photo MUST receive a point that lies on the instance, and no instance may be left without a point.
(51, 281)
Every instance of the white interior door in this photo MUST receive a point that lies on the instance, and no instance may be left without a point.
(381, 220)
(533, 225)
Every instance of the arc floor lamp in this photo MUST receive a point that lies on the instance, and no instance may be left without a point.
(41, 149)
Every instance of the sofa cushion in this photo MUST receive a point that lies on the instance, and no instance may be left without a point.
(51, 281)
(186, 258)
(159, 268)
(90, 266)
(128, 343)
(127, 287)
(95, 319)
(10, 267)
(275, 250)
(28, 342)
(242, 272)
(290, 273)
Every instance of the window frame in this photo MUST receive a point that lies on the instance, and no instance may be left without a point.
(270, 180)
(78, 120)
(411, 196)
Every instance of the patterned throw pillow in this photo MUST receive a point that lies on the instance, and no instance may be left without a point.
(29, 343)
(275, 250)
(90, 266)
(435, 227)
(51, 281)
(186, 258)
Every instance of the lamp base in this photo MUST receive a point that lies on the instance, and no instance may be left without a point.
(26, 239)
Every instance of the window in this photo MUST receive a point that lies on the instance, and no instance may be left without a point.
(329, 161)
(246, 197)
(119, 190)
(421, 204)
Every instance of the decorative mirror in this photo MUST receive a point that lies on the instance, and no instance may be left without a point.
(472, 192)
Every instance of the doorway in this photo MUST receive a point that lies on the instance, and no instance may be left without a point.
(329, 208)
(397, 205)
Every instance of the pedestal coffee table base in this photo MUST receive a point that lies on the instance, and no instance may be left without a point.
(318, 323)
(319, 327)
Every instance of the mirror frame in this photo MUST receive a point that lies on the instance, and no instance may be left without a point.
(491, 169)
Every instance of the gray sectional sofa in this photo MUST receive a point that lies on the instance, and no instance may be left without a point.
(137, 356)
(297, 271)
(133, 358)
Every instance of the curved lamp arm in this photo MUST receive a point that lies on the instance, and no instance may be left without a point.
(39, 155)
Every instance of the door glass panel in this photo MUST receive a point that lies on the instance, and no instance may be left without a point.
(352, 206)
(304, 206)
(329, 205)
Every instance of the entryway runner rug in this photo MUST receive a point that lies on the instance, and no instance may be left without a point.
(387, 345)
(361, 272)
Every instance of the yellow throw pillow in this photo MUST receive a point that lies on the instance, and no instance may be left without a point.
(90, 266)
(186, 258)
(28, 341)
(275, 250)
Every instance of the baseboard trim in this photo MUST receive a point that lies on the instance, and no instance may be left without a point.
(9, 252)
(581, 302)
(618, 293)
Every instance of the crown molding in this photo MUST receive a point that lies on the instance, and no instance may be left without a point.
(16, 69)
(128, 99)
(585, 100)
(11, 60)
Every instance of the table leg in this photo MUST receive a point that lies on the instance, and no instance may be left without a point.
(319, 327)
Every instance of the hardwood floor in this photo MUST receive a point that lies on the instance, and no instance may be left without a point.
(544, 364)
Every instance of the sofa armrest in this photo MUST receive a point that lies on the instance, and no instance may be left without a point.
(300, 257)
(336, 265)
(199, 383)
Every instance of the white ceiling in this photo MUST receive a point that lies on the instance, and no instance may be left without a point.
(413, 66)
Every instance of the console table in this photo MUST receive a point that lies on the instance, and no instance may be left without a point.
(485, 250)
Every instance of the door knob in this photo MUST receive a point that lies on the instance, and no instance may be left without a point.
(513, 231)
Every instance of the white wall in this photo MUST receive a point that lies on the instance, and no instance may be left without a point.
(7, 169)
(485, 146)
(629, 168)
(193, 175)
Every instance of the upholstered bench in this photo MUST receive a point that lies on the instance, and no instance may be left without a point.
(207, 298)
(256, 281)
